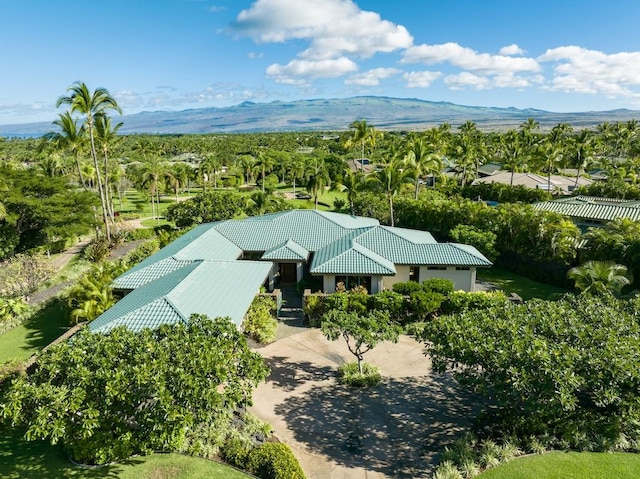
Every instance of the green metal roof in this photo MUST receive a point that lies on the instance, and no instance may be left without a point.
(310, 229)
(214, 288)
(593, 208)
(201, 243)
(289, 251)
(398, 245)
(346, 257)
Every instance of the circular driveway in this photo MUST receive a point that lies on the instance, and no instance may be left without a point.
(393, 430)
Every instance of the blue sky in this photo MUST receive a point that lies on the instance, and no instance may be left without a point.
(559, 55)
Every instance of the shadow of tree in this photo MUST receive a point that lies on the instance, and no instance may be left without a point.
(47, 324)
(288, 375)
(21, 459)
(397, 428)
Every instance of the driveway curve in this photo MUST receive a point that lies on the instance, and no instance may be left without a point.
(393, 430)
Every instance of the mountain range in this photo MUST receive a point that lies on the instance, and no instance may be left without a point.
(336, 115)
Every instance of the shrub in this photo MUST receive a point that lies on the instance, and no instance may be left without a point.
(260, 323)
(339, 204)
(274, 461)
(407, 287)
(391, 302)
(97, 250)
(423, 304)
(350, 375)
(460, 301)
(438, 285)
(140, 234)
(143, 251)
(314, 308)
(236, 452)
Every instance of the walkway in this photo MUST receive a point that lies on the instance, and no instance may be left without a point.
(393, 430)
(291, 317)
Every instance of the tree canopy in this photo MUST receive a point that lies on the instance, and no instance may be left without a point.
(108, 396)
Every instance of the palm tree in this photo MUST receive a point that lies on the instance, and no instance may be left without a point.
(318, 180)
(554, 147)
(362, 135)
(265, 162)
(70, 138)
(90, 105)
(390, 178)
(296, 170)
(106, 137)
(583, 150)
(352, 183)
(599, 277)
(248, 164)
(515, 158)
(420, 157)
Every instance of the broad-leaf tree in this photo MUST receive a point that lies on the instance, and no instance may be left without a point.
(361, 331)
(106, 397)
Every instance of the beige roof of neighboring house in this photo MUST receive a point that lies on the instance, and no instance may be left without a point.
(532, 180)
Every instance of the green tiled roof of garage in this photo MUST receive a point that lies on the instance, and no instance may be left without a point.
(288, 251)
(310, 229)
(136, 277)
(593, 208)
(214, 288)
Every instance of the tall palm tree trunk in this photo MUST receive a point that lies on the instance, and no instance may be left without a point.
(103, 200)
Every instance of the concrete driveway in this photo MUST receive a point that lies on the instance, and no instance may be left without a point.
(395, 429)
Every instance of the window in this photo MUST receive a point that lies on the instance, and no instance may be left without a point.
(414, 273)
(350, 282)
(437, 268)
(462, 268)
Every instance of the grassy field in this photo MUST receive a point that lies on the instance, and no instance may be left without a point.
(514, 283)
(20, 459)
(29, 338)
(569, 465)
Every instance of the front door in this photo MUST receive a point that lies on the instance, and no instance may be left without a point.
(288, 273)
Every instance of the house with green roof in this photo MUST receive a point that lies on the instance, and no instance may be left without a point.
(228, 261)
(588, 211)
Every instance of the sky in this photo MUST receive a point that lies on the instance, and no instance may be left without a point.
(555, 55)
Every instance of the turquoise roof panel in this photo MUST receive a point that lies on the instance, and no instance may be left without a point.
(214, 288)
(289, 251)
(310, 229)
(352, 260)
(135, 278)
(201, 243)
(593, 208)
(398, 245)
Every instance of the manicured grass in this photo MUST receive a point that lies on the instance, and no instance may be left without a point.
(514, 283)
(569, 465)
(21, 459)
(137, 204)
(28, 338)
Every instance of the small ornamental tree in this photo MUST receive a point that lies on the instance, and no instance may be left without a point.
(361, 332)
(108, 396)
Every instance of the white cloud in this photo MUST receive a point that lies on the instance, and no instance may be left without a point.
(336, 32)
(420, 79)
(298, 72)
(255, 55)
(466, 79)
(512, 49)
(333, 27)
(580, 70)
(469, 59)
(371, 77)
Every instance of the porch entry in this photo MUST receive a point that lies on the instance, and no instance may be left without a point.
(288, 273)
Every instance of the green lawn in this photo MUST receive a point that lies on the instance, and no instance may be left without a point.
(569, 465)
(137, 204)
(28, 338)
(20, 459)
(514, 283)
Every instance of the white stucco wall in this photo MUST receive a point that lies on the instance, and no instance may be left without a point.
(328, 283)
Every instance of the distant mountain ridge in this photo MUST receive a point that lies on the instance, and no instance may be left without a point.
(335, 115)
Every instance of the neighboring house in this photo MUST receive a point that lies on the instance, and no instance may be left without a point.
(361, 164)
(588, 211)
(489, 169)
(280, 248)
(561, 184)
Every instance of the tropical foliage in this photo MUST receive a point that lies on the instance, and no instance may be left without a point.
(567, 368)
(108, 396)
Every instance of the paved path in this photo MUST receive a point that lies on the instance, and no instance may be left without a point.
(393, 430)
